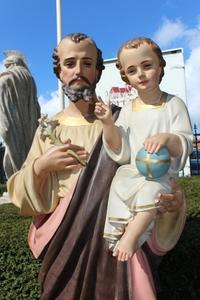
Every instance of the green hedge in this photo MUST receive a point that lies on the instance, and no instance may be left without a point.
(179, 271)
(180, 268)
(18, 268)
(2, 188)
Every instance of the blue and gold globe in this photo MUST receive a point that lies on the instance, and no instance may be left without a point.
(153, 165)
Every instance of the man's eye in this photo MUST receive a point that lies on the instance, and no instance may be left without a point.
(69, 64)
(88, 64)
(147, 66)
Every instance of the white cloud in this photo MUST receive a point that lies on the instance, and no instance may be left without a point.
(172, 31)
(192, 37)
(49, 104)
(169, 31)
(192, 70)
(2, 67)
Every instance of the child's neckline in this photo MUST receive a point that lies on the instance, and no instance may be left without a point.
(143, 106)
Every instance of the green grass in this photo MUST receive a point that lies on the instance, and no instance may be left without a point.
(179, 270)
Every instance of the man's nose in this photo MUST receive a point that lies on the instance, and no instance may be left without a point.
(78, 69)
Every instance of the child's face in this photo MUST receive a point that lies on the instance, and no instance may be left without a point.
(141, 66)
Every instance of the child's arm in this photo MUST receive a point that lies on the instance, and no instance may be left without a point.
(169, 140)
(111, 132)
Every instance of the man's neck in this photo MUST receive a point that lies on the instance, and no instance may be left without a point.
(80, 109)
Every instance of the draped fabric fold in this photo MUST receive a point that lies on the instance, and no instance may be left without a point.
(77, 263)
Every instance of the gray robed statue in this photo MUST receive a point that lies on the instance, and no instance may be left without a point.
(19, 110)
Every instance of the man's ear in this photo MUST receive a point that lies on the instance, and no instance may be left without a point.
(61, 76)
(97, 75)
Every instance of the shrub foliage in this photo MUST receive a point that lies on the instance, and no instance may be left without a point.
(18, 268)
(2, 188)
(179, 270)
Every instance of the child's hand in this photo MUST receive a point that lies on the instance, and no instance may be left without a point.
(102, 111)
(156, 142)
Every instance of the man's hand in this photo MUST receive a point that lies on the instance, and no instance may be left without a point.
(59, 158)
(171, 202)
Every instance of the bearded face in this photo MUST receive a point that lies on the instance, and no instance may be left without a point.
(78, 71)
(76, 93)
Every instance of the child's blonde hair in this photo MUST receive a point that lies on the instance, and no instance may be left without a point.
(135, 43)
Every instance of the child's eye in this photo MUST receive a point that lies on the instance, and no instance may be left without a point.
(131, 71)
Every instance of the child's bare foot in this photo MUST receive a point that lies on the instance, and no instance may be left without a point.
(126, 246)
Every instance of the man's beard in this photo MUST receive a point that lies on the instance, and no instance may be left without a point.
(86, 92)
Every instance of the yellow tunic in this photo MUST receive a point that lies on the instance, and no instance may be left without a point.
(21, 186)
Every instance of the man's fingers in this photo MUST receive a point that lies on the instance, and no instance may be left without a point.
(75, 147)
(175, 186)
(68, 141)
(73, 167)
(165, 197)
(70, 146)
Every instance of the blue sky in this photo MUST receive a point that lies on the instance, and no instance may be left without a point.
(30, 26)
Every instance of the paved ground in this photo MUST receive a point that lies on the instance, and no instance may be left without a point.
(4, 199)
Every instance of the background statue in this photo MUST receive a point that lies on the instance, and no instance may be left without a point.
(19, 110)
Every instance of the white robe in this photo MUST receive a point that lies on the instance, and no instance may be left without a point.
(131, 192)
